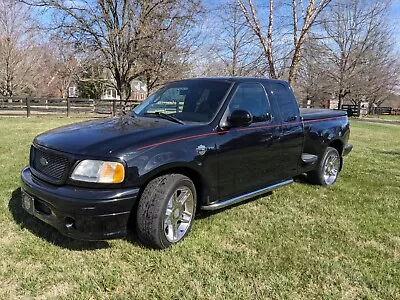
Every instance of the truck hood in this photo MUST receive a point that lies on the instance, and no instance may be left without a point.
(105, 136)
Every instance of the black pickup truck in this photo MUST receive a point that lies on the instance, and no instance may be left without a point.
(194, 144)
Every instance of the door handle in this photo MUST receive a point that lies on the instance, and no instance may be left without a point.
(290, 119)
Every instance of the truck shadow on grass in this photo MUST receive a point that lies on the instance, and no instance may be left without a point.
(202, 214)
(45, 231)
(302, 178)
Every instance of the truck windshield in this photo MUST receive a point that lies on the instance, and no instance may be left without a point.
(187, 100)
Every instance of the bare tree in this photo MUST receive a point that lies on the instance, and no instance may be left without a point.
(168, 55)
(356, 52)
(20, 54)
(234, 42)
(302, 20)
(65, 69)
(120, 31)
(313, 84)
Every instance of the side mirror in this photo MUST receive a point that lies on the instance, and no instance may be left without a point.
(240, 118)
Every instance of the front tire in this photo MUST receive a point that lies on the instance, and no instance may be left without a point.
(166, 210)
(328, 168)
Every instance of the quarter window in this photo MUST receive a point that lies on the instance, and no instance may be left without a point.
(285, 100)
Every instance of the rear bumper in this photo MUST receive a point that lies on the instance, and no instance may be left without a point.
(347, 149)
(81, 213)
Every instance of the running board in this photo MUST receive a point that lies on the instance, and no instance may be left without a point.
(222, 204)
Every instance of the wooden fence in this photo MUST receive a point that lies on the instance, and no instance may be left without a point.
(17, 106)
(352, 110)
(383, 110)
(78, 107)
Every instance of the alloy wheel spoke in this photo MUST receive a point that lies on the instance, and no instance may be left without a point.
(168, 212)
(187, 214)
(183, 220)
(174, 229)
(183, 197)
(175, 199)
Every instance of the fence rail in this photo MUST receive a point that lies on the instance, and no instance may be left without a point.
(383, 110)
(80, 107)
(17, 106)
(352, 110)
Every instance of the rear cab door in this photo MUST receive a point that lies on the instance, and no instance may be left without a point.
(291, 141)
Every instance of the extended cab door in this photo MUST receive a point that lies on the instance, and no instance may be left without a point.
(249, 156)
(291, 142)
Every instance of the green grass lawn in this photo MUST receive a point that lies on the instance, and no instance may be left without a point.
(386, 117)
(301, 242)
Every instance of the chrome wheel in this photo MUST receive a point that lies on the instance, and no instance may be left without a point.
(331, 168)
(178, 214)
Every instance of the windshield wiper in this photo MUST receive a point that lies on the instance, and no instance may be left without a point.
(165, 116)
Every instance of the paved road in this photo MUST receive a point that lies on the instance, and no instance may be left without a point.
(376, 121)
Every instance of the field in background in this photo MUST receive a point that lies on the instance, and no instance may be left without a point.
(387, 117)
(301, 242)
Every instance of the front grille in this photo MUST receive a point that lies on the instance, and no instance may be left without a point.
(53, 166)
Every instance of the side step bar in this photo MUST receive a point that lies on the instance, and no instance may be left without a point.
(222, 204)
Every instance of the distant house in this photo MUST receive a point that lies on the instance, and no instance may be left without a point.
(110, 93)
(138, 91)
(73, 91)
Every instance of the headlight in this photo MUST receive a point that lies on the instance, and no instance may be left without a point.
(99, 171)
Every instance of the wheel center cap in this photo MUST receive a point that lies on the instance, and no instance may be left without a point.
(176, 213)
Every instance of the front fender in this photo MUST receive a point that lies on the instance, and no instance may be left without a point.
(160, 160)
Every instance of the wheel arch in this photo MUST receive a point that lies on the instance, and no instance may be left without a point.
(339, 146)
(193, 174)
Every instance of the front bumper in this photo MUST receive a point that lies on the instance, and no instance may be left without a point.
(81, 213)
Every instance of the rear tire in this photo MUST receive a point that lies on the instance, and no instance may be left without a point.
(166, 210)
(328, 168)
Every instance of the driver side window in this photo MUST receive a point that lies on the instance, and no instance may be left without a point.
(251, 97)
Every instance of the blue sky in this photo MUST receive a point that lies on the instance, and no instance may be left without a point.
(212, 4)
(395, 17)
(396, 9)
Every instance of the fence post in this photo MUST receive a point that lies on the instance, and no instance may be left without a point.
(114, 108)
(28, 107)
(68, 107)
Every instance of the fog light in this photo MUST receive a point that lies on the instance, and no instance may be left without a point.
(69, 223)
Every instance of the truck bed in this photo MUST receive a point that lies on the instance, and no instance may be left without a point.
(319, 113)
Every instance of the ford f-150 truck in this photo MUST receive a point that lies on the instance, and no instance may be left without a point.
(194, 144)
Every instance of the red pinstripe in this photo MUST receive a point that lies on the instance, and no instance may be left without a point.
(239, 129)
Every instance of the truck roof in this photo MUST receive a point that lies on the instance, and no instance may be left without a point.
(237, 79)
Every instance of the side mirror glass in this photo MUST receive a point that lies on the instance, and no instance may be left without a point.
(240, 118)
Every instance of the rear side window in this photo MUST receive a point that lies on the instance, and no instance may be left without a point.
(285, 100)
(251, 97)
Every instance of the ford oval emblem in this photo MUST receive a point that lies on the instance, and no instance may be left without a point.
(43, 161)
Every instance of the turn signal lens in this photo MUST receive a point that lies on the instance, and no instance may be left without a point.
(112, 172)
(99, 171)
